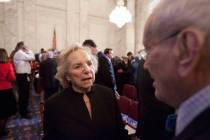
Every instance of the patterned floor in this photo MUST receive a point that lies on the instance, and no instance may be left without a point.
(26, 129)
(31, 129)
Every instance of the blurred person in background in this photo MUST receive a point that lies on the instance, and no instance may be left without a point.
(47, 71)
(104, 75)
(109, 75)
(8, 105)
(152, 112)
(22, 59)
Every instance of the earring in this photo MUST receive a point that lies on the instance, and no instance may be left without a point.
(68, 79)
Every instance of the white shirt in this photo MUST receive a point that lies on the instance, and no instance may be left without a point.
(21, 61)
(191, 108)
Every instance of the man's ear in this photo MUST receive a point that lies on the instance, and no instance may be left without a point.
(190, 43)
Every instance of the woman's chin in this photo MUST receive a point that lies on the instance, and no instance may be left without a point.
(87, 86)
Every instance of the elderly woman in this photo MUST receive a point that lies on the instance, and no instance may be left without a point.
(82, 111)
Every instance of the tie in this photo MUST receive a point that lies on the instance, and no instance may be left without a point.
(171, 122)
(88, 105)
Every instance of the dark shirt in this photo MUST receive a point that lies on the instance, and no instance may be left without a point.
(105, 74)
(67, 118)
(47, 71)
(152, 112)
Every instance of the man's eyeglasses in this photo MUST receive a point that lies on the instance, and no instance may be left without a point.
(149, 49)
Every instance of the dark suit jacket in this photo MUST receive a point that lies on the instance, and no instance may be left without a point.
(105, 74)
(152, 112)
(47, 71)
(67, 118)
(199, 129)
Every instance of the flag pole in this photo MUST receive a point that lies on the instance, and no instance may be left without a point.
(54, 41)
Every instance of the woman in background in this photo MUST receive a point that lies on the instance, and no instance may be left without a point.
(83, 110)
(7, 99)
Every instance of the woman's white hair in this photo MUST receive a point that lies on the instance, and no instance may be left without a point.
(62, 69)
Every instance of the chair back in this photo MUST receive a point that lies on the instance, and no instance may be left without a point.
(130, 91)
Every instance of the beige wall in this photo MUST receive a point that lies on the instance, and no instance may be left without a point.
(74, 20)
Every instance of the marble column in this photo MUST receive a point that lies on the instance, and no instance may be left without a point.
(83, 20)
(20, 19)
(142, 12)
(130, 28)
(72, 19)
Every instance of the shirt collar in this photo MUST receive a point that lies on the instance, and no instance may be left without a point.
(191, 108)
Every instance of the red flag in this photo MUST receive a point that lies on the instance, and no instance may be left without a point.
(54, 45)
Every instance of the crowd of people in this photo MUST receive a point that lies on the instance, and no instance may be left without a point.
(82, 84)
(52, 74)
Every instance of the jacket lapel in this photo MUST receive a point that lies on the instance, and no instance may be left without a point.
(197, 127)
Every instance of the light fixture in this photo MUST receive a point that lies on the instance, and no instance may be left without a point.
(5, 0)
(120, 15)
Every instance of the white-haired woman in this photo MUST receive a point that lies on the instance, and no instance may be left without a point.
(83, 110)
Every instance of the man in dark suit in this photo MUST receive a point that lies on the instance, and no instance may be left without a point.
(176, 38)
(152, 112)
(47, 71)
(108, 73)
(105, 74)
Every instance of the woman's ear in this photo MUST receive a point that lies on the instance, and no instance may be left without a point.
(190, 44)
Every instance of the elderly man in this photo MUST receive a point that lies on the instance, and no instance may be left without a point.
(177, 40)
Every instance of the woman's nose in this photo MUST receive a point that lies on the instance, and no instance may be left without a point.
(86, 68)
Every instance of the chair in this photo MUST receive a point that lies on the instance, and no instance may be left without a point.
(133, 111)
(130, 91)
(132, 119)
(124, 104)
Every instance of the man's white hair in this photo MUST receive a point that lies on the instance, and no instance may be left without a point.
(171, 16)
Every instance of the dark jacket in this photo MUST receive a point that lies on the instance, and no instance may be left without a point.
(152, 112)
(198, 129)
(105, 74)
(47, 71)
(67, 118)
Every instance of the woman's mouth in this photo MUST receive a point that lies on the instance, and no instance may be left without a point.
(88, 78)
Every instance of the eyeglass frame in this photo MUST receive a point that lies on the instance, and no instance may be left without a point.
(148, 51)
